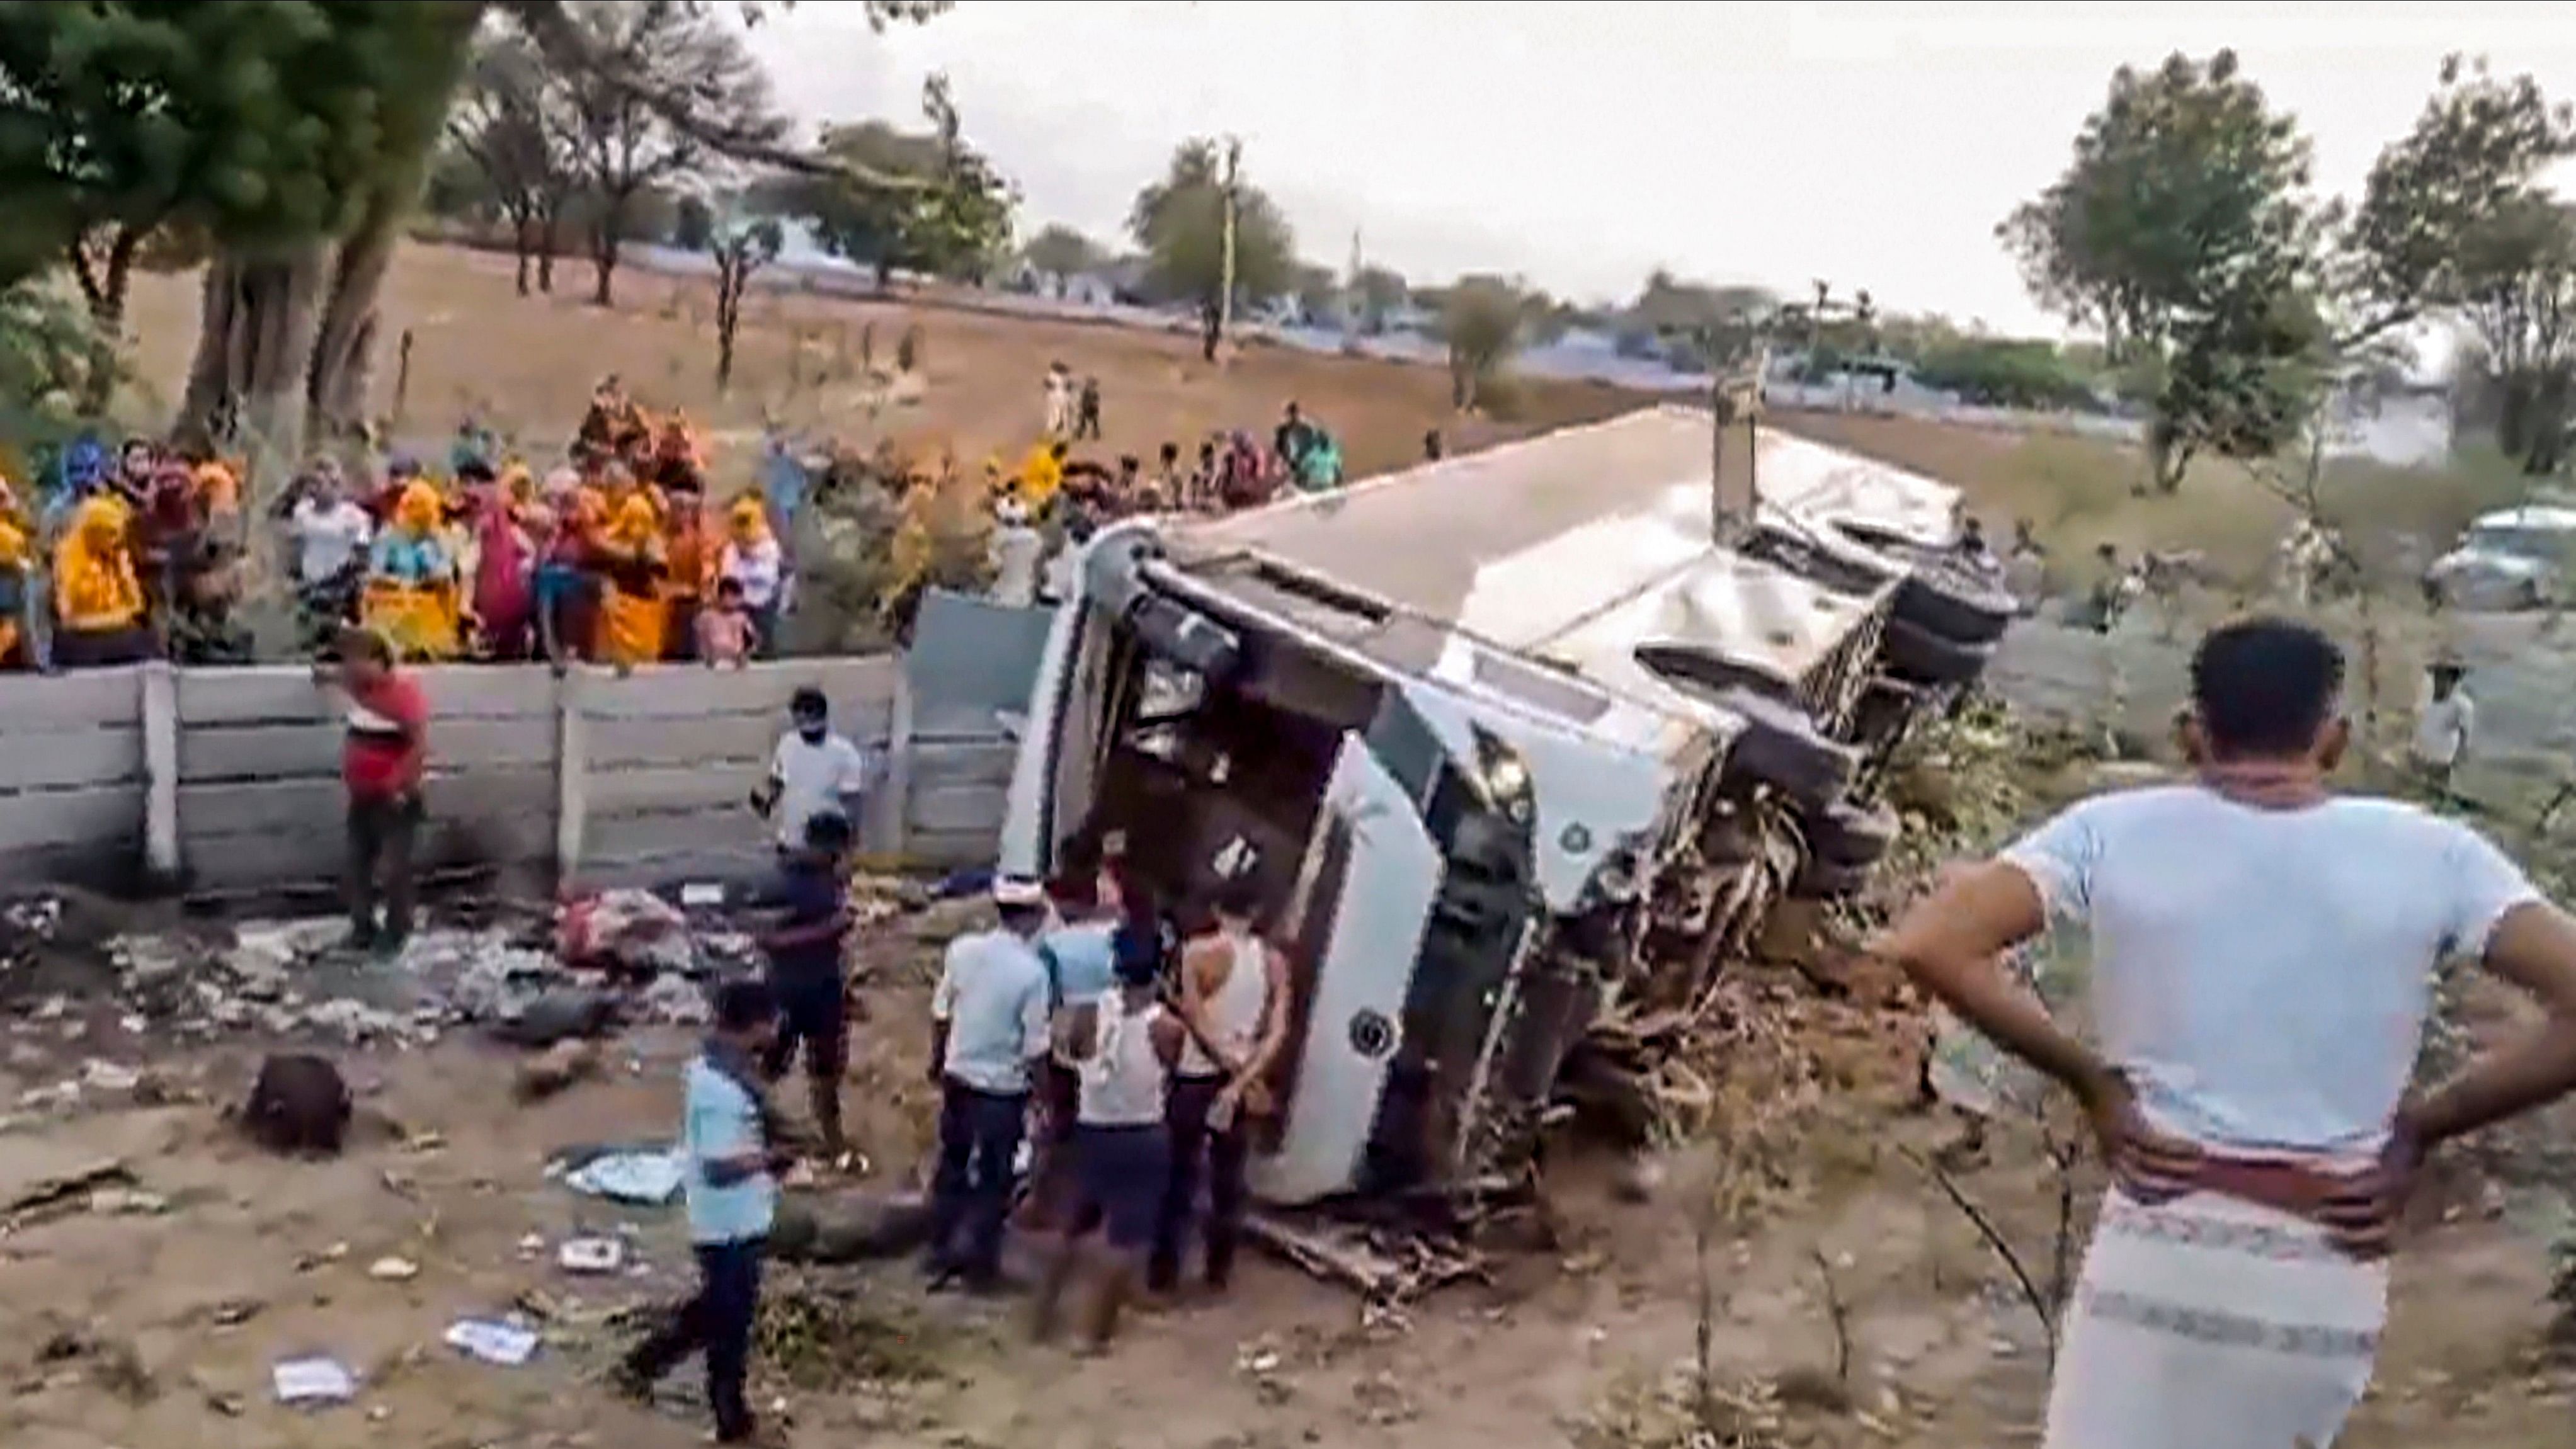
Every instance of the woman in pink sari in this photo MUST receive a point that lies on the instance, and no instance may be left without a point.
(504, 598)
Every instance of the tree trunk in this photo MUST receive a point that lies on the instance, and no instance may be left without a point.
(105, 288)
(342, 365)
(247, 386)
(1211, 328)
(603, 262)
(549, 242)
(523, 248)
(729, 280)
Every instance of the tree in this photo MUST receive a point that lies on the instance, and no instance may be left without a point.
(511, 120)
(937, 205)
(2183, 230)
(291, 317)
(252, 123)
(1482, 321)
(741, 245)
(1318, 291)
(1185, 221)
(623, 143)
(960, 226)
(1379, 293)
(52, 357)
(1060, 251)
(2453, 220)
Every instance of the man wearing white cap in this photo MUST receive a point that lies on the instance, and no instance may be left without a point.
(988, 1034)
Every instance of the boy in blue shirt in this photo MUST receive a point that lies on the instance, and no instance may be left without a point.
(804, 952)
(732, 1191)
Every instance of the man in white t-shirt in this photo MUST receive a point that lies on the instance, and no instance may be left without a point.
(2442, 727)
(2263, 962)
(329, 531)
(814, 769)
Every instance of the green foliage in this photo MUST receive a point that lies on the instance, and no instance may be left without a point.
(693, 226)
(2454, 217)
(1060, 251)
(2183, 230)
(262, 122)
(1317, 290)
(1482, 320)
(51, 357)
(949, 214)
(1180, 222)
(1377, 293)
(511, 124)
(961, 227)
(2004, 372)
(2472, 163)
(622, 139)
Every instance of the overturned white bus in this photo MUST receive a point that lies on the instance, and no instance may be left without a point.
(1503, 738)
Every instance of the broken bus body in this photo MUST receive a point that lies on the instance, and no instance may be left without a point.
(1506, 741)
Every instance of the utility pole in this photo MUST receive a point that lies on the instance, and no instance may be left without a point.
(1225, 273)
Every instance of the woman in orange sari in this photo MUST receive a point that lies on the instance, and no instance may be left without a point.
(17, 577)
(98, 600)
(633, 614)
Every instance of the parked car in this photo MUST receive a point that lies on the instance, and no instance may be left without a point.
(2517, 558)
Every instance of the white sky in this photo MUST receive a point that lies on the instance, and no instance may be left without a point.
(1872, 144)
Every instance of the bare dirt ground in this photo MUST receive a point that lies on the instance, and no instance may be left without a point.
(151, 1318)
(528, 365)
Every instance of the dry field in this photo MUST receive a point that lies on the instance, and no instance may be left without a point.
(2079, 492)
(528, 364)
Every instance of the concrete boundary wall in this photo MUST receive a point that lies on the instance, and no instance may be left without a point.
(226, 781)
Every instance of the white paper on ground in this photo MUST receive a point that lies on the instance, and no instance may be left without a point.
(498, 1343)
(702, 893)
(312, 1381)
(646, 1177)
(590, 1255)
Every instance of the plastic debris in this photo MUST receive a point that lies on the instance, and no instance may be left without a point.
(591, 1255)
(393, 1270)
(314, 1380)
(491, 1341)
(638, 1175)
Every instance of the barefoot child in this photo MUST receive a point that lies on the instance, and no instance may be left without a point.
(726, 630)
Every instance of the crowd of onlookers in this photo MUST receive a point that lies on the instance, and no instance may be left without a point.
(622, 553)
(618, 555)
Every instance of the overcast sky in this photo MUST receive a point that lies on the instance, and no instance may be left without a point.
(1580, 144)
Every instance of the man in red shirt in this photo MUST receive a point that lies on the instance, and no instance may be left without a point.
(381, 762)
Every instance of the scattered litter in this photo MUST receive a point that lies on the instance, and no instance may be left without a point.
(591, 1255)
(505, 1344)
(61, 1190)
(313, 1381)
(674, 1001)
(393, 1270)
(632, 930)
(109, 1076)
(127, 1202)
(700, 894)
(637, 1175)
